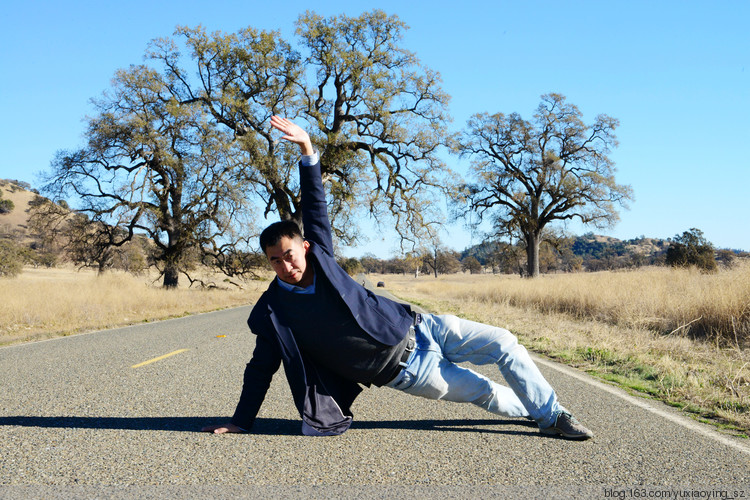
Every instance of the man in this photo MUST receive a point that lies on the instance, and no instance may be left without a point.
(333, 335)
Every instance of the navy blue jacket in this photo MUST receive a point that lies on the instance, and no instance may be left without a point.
(322, 397)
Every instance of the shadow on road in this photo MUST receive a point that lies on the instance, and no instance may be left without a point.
(455, 425)
(263, 426)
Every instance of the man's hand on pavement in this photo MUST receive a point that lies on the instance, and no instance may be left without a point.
(222, 428)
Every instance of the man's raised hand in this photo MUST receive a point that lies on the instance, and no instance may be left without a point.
(293, 133)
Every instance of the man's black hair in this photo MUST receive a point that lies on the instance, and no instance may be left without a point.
(273, 233)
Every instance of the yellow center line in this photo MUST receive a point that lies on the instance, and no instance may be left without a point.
(178, 351)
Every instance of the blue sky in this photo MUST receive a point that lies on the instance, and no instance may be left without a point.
(675, 73)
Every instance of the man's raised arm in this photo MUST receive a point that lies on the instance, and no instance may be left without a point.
(317, 227)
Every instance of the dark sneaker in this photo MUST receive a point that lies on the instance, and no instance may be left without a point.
(567, 426)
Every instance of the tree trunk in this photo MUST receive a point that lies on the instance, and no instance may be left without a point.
(104, 259)
(172, 257)
(532, 255)
(171, 275)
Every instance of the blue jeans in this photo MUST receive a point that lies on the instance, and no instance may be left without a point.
(442, 341)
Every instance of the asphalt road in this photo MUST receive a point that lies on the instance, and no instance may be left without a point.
(82, 416)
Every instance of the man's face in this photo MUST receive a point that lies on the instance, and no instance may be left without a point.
(288, 260)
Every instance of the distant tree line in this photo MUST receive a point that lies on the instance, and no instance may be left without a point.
(586, 253)
(14, 185)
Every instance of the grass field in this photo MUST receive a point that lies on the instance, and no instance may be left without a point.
(43, 303)
(634, 328)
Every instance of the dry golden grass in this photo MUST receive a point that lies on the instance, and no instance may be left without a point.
(622, 326)
(713, 306)
(42, 303)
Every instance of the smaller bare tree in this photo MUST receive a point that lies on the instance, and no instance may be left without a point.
(530, 174)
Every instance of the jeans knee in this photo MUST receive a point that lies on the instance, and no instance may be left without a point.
(512, 350)
(485, 400)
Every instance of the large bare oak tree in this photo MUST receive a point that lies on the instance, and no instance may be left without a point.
(181, 148)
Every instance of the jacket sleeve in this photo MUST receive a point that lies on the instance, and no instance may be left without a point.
(314, 208)
(258, 374)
